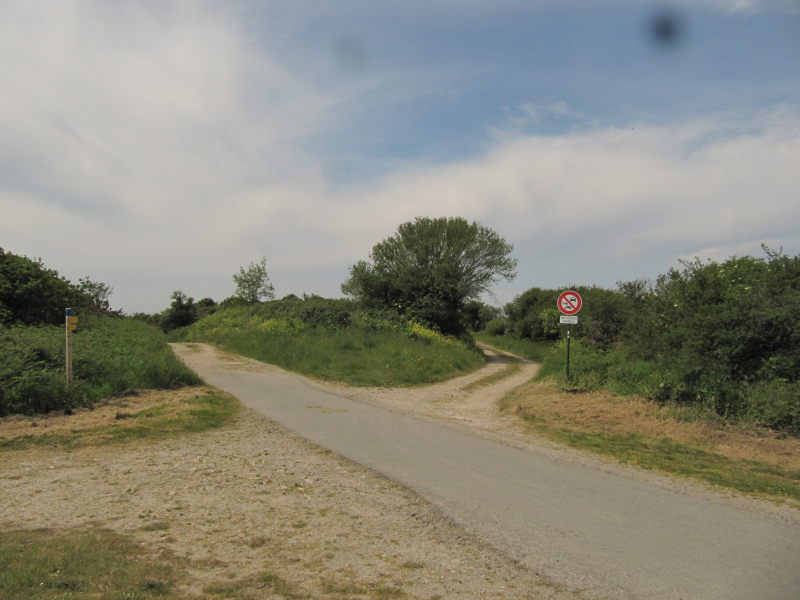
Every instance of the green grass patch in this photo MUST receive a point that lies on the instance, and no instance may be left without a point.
(536, 351)
(365, 351)
(194, 415)
(80, 565)
(111, 356)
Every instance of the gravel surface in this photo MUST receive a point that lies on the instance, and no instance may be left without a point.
(253, 498)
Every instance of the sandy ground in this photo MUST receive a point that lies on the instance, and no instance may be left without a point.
(254, 497)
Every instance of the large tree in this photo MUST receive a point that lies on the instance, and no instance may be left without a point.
(430, 268)
(252, 283)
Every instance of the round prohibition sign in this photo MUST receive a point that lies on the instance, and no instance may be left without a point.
(570, 302)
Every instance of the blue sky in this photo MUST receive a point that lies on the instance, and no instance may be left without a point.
(160, 145)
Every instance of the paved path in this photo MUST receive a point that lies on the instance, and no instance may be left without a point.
(613, 536)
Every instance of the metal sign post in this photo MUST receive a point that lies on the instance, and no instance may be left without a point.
(569, 303)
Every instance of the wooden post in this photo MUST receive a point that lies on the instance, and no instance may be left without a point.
(68, 330)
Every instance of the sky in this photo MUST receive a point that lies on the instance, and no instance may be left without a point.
(160, 145)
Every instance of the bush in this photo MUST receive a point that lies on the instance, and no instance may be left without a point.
(774, 404)
(496, 327)
(110, 356)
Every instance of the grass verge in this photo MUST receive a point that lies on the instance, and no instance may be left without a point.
(536, 351)
(386, 356)
(647, 435)
(87, 564)
(150, 415)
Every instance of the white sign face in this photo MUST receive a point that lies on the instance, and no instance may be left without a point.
(569, 319)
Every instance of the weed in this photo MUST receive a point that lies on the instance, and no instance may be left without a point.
(156, 526)
(387, 592)
(80, 565)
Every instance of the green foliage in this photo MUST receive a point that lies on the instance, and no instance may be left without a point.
(181, 312)
(721, 329)
(534, 315)
(430, 268)
(538, 351)
(111, 356)
(721, 336)
(774, 404)
(32, 294)
(496, 327)
(252, 283)
(334, 339)
(477, 314)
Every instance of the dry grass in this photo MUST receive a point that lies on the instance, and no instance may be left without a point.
(603, 412)
(669, 439)
(148, 413)
(111, 411)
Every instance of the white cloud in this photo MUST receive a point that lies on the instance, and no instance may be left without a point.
(596, 203)
(151, 146)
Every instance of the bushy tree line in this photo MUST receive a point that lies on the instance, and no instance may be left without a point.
(33, 294)
(722, 335)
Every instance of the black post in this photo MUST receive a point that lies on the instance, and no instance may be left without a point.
(567, 354)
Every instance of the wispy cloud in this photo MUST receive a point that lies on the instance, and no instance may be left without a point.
(156, 146)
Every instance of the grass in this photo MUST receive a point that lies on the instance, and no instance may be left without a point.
(357, 357)
(536, 351)
(87, 564)
(98, 564)
(508, 370)
(200, 411)
(111, 356)
(640, 433)
(365, 352)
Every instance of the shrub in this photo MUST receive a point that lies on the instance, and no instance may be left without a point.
(496, 327)
(774, 404)
(110, 356)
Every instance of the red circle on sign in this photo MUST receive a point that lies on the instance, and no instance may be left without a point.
(570, 302)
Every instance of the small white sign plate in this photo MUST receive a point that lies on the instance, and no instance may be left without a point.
(569, 319)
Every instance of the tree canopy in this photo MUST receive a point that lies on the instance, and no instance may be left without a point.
(32, 294)
(252, 283)
(430, 268)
